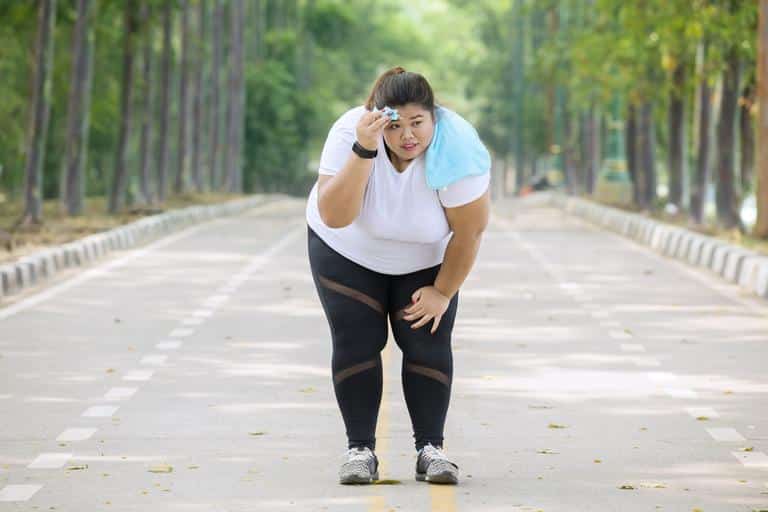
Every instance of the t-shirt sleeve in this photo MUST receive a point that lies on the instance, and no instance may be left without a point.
(337, 148)
(464, 190)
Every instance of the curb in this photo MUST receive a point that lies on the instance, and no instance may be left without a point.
(733, 263)
(35, 268)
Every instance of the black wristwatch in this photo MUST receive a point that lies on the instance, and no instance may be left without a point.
(362, 152)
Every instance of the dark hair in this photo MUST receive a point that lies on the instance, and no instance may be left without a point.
(396, 87)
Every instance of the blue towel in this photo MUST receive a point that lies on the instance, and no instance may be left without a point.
(455, 152)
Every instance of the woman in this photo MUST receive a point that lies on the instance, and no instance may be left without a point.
(380, 247)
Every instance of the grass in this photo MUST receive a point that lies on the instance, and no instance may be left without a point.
(58, 228)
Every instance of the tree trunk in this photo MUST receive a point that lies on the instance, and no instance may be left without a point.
(747, 137)
(215, 168)
(727, 209)
(677, 142)
(72, 183)
(761, 227)
(165, 103)
(631, 145)
(120, 179)
(183, 151)
(699, 188)
(147, 123)
(646, 153)
(232, 168)
(39, 113)
(197, 130)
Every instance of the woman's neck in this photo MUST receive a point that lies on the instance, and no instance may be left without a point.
(397, 163)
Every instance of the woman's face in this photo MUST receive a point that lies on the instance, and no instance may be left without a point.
(409, 136)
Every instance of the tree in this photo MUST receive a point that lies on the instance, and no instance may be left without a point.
(761, 227)
(39, 112)
(72, 181)
(147, 120)
(165, 102)
(120, 177)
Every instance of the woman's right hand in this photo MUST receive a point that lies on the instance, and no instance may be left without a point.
(369, 129)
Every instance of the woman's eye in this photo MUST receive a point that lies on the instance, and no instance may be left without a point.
(417, 123)
(393, 126)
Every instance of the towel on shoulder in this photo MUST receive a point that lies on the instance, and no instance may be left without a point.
(455, 151)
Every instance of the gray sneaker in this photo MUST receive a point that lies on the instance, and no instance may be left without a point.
(360, 467)
(433, 466)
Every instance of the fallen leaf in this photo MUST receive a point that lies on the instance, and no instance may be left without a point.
(728, 392)
(555, 425)
(110, 370)
(547, 451)
(387, 482)
(256, 433)
(747, 449)
(653, 485)
(626, 487)
(702, 418)
(597, 461)
(193, 466)
(307, 390)
(161, 468)
(540, 407)
(77, 467)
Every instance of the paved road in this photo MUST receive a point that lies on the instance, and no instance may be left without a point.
(194, 375)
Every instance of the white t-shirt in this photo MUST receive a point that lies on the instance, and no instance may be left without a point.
(402, 226)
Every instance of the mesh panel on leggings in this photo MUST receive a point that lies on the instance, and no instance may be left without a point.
(348, 372)
(428, 372)
(351, 292)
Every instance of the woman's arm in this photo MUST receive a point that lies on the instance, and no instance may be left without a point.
(340, 197)
(467, 223)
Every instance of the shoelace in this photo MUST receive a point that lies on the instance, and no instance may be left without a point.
(355, 454)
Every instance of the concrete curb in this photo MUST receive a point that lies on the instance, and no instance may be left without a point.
(735, 264)
(35, 268)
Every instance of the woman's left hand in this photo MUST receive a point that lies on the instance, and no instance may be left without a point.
(428, 303)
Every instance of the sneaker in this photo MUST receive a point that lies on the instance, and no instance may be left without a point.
(361, 466)
(433, 466)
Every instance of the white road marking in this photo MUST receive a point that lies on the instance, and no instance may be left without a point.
(154, 359)
(76, 434)
(661, 376)
(725, 434)
(680, 393)
(600, 314)
(752, 459)
(19, 492)
(610, 323)
(193, 321)
(204, 313)
(168, 345)
(181, 332)
(620, 335)
(120, 393)
(100, 411)
(647, 362)
(49, 460)
(139, 375)
(632, 347)
(697, 412)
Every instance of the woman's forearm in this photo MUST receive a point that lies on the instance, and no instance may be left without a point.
(340, 199)
(458, 261)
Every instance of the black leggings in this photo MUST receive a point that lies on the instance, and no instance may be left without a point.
(357, 302)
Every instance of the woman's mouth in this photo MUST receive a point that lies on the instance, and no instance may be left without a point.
(409, 147)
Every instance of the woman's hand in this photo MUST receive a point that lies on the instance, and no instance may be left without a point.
(369, 129)
(428, 303)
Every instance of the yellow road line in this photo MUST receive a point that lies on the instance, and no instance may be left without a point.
(378, 503)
